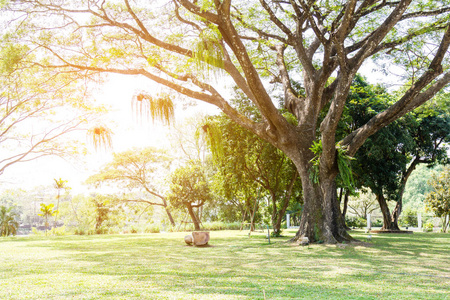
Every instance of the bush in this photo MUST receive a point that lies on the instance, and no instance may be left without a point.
(79, 231)
(355, 222)
(377, 223)
(408, 218)
(221, 226)
(59, 231)
(102, 230)
(134, 229)
(428, 227)
(152, 229)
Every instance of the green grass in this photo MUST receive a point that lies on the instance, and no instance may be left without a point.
(161, 266)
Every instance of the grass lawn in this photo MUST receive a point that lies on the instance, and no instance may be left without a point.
(161, 266)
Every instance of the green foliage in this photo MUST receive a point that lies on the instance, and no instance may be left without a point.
(356, 222)
(343, 161)
(189, 189)
(438, 201)
(159, 108)
(210, 131)
(428, 227)
(208, 53)
(152, 228)
(189, 184)
(345, 169)
(10, 57)
(408, 218)
(8, 221)
(316, 148)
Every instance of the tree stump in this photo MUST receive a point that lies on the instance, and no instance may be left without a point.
(200, 238)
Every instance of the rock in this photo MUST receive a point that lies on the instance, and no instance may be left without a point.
(304, 241)
(189, 239)
(200, 238)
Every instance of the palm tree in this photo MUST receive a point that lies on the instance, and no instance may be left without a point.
(59, 185)
(8, 223)
(47, 211)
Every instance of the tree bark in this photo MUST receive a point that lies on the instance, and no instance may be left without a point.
(387, 221)
(193, 216)
(321, 219)
(170, 216)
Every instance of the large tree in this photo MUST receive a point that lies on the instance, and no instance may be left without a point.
(260, 46)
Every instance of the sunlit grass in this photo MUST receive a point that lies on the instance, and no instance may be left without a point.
(161, 266)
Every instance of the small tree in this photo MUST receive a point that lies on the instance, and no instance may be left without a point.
(190, 188)
(47, 211)
(8, 223)
(137, 170)
(438, 201)
(59, 185)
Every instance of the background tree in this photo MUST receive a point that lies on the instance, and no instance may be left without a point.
(430, 131)
(138, 169)
(362, 204)
(244, 160)
(59, 185)
(189, 188)
(388, 158)
(8, 221)
(46, 212)
(260, 46)
(438, 201)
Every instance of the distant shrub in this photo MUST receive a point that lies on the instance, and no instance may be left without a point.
(152, 229)
(377, 223)
(428, 227)
(113, 230)
(408, 218)
(218, 225)
(79, 231)
(355, 222)
(134, 229)
(59, 231)
(102, 230)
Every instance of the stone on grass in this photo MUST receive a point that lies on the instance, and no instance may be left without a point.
(304, 241)
(189, 239)
(200, 238)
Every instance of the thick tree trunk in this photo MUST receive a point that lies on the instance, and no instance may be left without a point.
(387, 221)
(321, 219)
(193, 216)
